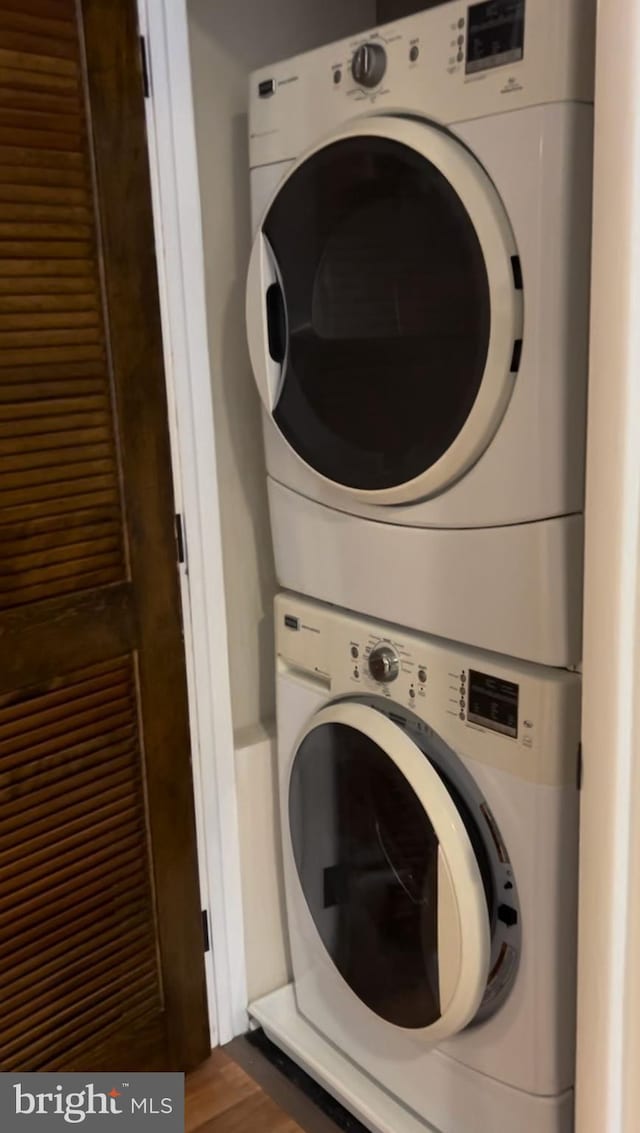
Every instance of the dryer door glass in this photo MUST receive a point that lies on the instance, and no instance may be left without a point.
(387, 305)
(370, 865)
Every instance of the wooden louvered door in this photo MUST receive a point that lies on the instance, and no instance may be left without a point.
(101, 949)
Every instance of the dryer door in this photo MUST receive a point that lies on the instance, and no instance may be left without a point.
(384, 310)
(389, 872)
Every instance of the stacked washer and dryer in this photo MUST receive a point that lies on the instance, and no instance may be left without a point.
(417, 317)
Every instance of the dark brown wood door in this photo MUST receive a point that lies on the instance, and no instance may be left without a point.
(101, 949)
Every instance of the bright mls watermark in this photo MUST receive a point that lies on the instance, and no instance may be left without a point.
(109, 1102)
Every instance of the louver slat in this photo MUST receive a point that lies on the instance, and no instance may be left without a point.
(54, 376)
(72, 831)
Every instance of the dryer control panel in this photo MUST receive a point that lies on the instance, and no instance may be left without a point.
(498, 710)
(451, 63)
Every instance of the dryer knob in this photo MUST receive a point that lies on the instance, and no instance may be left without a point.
(369, 64)
(383, 664)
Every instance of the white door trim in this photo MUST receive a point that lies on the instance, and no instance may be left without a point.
(608, 1049)
(179, 250)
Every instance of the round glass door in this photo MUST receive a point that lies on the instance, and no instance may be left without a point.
(388, 871)
(386, 288)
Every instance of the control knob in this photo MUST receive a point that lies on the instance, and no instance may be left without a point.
(369, 64)
(383, 664)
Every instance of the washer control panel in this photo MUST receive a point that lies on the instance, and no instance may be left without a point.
(392, 666)
(482, 696)
(384, 665)
(505, 711)
(369, 64)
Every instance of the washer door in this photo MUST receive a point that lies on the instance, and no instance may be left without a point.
(384, 310)
(388, 871)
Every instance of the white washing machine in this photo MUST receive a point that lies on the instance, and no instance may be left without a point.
(429, 812)
(417, 315)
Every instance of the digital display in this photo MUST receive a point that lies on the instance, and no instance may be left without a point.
(493, 702)
(495, 34)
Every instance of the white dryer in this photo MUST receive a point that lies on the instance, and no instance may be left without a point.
(417, 315)
(429, 812)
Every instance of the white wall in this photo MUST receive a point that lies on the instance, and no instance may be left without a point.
(227, 40)
(267, 959)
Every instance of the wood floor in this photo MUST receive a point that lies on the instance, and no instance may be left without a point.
(222, 1098)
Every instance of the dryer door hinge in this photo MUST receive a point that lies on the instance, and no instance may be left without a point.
(205, 930)
(146, 70)
(181, 540)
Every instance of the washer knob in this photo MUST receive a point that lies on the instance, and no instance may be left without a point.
(369, 64)
(383, 664)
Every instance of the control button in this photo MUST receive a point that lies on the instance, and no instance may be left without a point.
(414, 53)
(355, 652)
(422, 676)
(507, 915)
(369, 64)
(460, 40)
(461, 22)
(462, 716)
(356, 672)
(462, 702)
(463, 677)
(383, 664)
(412, 693)
(459, 57)
(337, 76)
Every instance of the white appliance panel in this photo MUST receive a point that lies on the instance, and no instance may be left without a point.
(557, 66)
(516, 1069)
(510, 527)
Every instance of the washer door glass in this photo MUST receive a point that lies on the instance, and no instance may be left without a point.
(388, 871)
(380, 307)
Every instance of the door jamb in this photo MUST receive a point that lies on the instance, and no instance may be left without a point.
(180, 257)
(608, 1028)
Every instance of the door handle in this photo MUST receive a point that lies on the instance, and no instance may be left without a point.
(276, 323)
(266, 315)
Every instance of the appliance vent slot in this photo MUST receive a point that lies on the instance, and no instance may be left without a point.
(516, 356)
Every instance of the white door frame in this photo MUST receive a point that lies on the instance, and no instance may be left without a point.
(608, 1089)
(608, 1083)
(179, 251)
